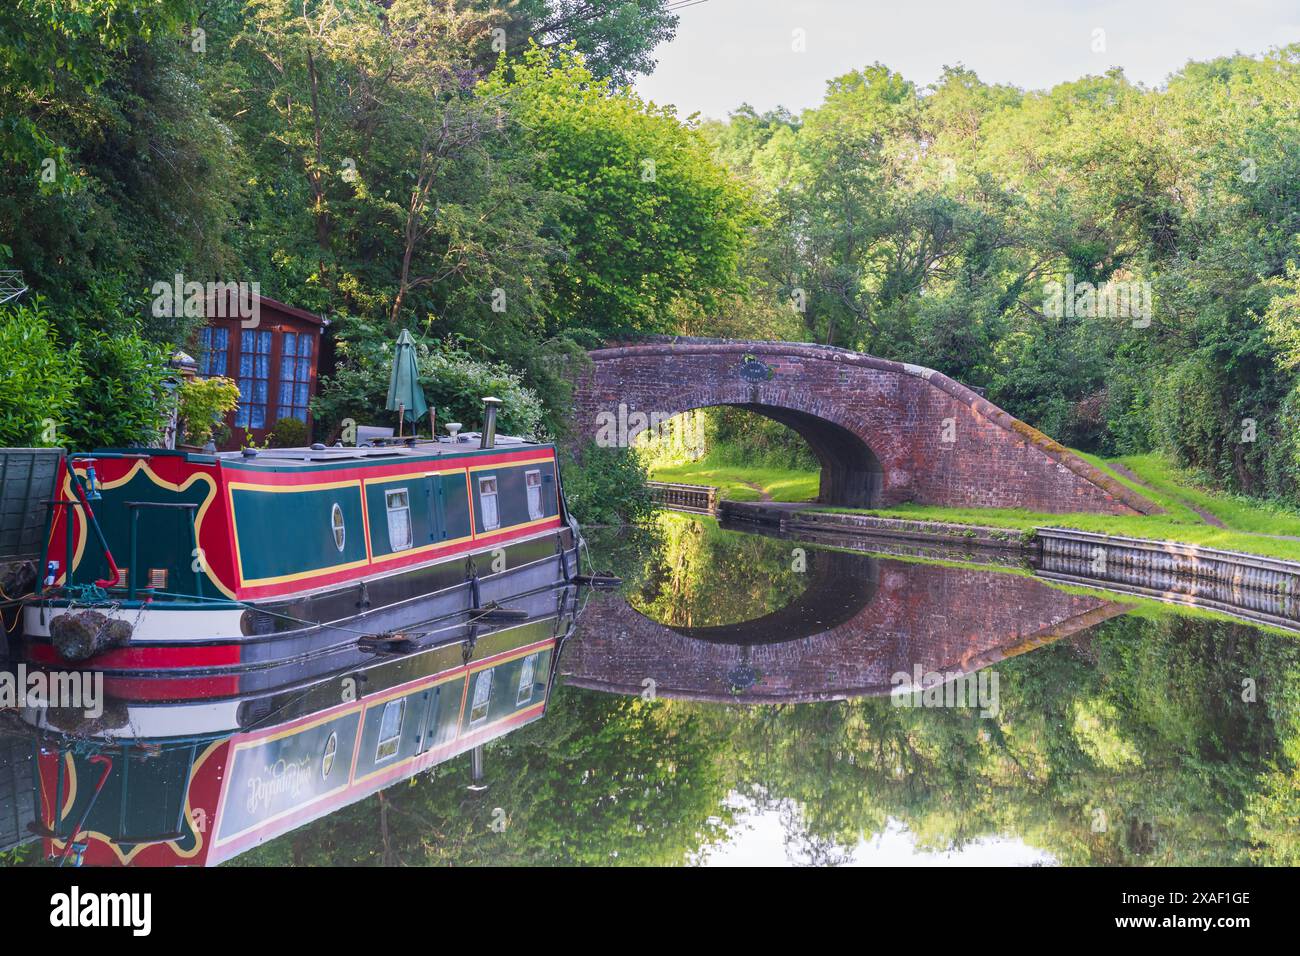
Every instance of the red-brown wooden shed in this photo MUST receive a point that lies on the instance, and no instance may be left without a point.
(272, 356)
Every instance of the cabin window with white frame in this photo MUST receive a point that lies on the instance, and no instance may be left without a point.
(482, 697)
(487, 494)
(527, 673)
(399, 519)
(390, 729)
(533, 482)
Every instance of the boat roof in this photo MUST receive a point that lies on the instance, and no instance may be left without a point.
(306, 457)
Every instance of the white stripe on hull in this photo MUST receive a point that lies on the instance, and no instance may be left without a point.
(153, 625)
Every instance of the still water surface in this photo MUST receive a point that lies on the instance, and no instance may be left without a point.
(746, 699)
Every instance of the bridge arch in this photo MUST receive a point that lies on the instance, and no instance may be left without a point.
(851, 472)
(884, 432)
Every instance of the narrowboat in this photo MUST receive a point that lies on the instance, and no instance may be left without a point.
(164, 562)
(197, 780)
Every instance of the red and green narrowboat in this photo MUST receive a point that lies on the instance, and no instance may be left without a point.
(223, 562)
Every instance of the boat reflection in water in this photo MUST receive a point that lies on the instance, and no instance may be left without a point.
(194, 771)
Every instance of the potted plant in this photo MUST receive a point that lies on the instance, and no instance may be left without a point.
(204, 402)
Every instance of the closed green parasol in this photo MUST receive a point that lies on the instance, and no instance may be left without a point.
(405, 396)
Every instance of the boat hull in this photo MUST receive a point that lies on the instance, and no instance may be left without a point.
(414, 603)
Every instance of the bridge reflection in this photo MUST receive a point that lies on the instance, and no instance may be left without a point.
(859, 621)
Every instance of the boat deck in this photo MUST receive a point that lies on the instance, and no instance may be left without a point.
(393, 450)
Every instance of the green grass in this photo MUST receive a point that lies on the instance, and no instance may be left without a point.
(1248, 521)
(1160, 527)
(783, 484)
(1237, 512)
(1176, 508)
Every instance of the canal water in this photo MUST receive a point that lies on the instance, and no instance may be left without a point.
(748, 699)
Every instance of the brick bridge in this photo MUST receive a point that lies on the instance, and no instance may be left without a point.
(876, 618)
(884, 432)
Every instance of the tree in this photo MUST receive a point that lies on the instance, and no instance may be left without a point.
(654, 221)
(616, 37)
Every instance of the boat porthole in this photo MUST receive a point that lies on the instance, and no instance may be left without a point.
(327, 758)
(336, 523)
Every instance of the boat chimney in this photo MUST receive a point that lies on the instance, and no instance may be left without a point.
(488, 439)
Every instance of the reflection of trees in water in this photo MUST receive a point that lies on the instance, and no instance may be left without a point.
(1138, 726)
(804, 848)
(1148, 757)
(702, 576)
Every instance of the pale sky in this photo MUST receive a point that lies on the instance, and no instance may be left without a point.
(758, 839)
(729, 52)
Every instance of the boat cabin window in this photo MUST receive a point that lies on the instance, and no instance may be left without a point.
(487, 493)
(399, 519)
(533, 481)
(337, 526)
(482, 696)
(526, 674)
(390, 729)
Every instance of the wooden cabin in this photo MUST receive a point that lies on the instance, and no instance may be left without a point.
(273, 357)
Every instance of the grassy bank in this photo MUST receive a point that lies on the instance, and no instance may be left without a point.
(743, 482)
(1251, 526)
(1158, 527)
(1191, 510)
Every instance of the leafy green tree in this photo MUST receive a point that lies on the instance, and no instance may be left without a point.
(121, 400)
(54, 55)
(653, 220)
(38, 380)
(616, 37)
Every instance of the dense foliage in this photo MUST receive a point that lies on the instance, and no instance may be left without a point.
(455, 383)
(607, 486)
(38, 380)
(928, 225)
(201, 406)
(105, 391)
(346, 155)
(479, 171)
